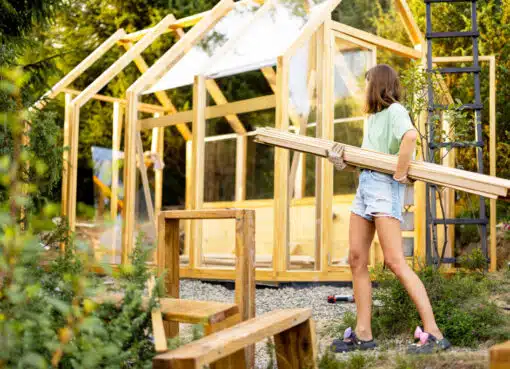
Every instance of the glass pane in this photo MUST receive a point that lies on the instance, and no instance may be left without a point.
(351, 63)
(220, 170)
(259, 171)
(195, 60)
(271, 33)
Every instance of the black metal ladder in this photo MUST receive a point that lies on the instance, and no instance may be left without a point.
(432, 221)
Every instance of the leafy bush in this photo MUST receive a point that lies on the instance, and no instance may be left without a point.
(48, 313)
(461, 305)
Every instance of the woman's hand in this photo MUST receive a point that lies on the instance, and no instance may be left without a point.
(336, 156)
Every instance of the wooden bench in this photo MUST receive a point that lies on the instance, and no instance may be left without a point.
(294, 336)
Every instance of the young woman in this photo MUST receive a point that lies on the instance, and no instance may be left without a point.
(378, 207)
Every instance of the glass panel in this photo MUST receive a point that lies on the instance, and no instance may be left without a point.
(196, 59)
(259, 171)
(107, 239)
(273, 31)
(220, 170)
(351, 63)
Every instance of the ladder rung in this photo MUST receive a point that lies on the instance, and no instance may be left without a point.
(436, 145)
(450, 1)
(457, 70)
(462, 107)
(460, 221)
(452, 34)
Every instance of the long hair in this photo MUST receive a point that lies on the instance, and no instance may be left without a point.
(383, 88)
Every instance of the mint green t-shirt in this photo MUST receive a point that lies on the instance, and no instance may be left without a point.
(384, 130)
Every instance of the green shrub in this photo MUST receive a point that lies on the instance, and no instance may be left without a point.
(352, 361)
(461, 305)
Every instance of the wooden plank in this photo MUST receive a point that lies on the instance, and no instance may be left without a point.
(157, 147)
(295, 347)
(65, 154)
(146, 108)
(281, 172)
(129, 176)
(245, 263)
(80, 68)
(198, 159)
(74, 124)
(409, 22)
(215, 111)
(429, 172)
(460, 59)
(178, 25)
(203, 214)
(393, 46)
(167, 256)
(223, 343)
(241, 152)
(312, 26)
(145, 182)
(492, 160)
(118, 117)
(500, 356)
(197, 312)
(123, 61)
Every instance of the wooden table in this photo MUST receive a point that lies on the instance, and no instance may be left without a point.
(168, 254)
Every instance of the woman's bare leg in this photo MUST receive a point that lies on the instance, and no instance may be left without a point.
(361, 234)
(390, 237)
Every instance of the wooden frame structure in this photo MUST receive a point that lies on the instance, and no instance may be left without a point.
(283, 253)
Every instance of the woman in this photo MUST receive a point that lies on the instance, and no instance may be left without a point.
(378, 207)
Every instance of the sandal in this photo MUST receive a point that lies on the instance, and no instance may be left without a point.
(351, 342)
(427, 343)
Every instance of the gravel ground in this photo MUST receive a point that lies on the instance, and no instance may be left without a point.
(268, 299)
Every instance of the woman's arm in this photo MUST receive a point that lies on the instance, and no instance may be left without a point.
(407, 147)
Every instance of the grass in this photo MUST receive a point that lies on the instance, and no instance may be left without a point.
(384, 360)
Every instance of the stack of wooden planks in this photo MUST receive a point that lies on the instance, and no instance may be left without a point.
(479, 184)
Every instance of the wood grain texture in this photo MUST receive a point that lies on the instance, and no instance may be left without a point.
(450, 177)
(500, 356)
(295, 347)
(228, 341)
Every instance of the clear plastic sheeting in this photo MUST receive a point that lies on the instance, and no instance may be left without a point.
(195, 60)
(274, 29)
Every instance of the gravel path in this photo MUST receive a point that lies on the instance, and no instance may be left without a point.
(268, 299)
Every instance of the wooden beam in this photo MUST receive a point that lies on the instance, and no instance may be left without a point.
(179, 49)
(409, 22)
(209, 349)
(492, 159)
(146, 108)
(241, 151)
(393, 46)
(460, 59)
(471, 182)
(80, 68)
(281, 172)
(324, 169)
(65, 154)
(312, 26)
(215, 111)
(198, 160)
(145, 182)
(123, 61)
(118, 117)
(157, 147)
(296, 347)
(178, 25)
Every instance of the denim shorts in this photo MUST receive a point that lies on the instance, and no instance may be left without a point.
(378, 194)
